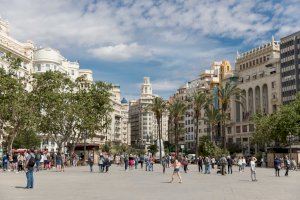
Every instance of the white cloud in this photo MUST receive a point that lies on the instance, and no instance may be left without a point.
(120, 52)
(165, 85)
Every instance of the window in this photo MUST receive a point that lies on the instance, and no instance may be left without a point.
(72, 72)
(228, 130)
(238, 129)
(251, 127)
(245, 128)
(39, 67)
(245, 139)
(273, 84)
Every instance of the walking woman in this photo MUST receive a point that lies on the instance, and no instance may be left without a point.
(176, 166)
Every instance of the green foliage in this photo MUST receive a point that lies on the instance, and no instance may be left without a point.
(158, 107)
(27, 140)
(208, 148)
(70, 111)
(177, 109)
(153, 149)
(106, 147)
(169, 147)
(277, 126)
(16, 110)
(198, 102)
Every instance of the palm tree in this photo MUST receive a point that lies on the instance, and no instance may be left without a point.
(198, 102)
(158, 107)
(229, 92)
(212, 116)
(177, 109)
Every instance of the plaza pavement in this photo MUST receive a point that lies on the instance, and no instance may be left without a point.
(79, 183)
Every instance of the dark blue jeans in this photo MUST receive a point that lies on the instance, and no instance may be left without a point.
(29, 176)
(37, 165)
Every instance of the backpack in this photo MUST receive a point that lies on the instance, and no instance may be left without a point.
(38, 157)
(31, 162)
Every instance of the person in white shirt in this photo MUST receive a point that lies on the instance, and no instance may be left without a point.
(253, 168)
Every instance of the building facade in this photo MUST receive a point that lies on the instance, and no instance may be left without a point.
(258, 72)
(41, 60)
(290, 66)
(143, 123)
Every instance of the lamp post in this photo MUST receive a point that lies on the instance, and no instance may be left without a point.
(84, 147)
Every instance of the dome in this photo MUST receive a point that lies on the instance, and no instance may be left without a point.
(47, 55)
(124, 101)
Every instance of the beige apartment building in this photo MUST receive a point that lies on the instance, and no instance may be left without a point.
(258, 72)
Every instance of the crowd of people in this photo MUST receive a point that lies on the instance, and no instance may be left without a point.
(32, 160)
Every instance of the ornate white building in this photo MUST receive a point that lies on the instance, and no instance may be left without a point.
(142, 119)
(40, 60)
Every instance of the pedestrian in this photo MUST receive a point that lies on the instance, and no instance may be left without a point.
(147, 162)
(200, 164)
(213, 162)
(243, 163)
(37, 160)
(185, 164)
(91, 162)
(126, 162)
(223, 163)
(277, 166)
(5, 162)
(142, 160)
(15, 162)
(107, 164)
(293, 164)
(20, 162)
(207, 163)
(10, 160)
(176, 171)
(240, 164)
(30, 162)
(229, 164)
(253, 168)
(101, 163)
(287, 164)
(151, 163)
(58, 162)
(136, 162)
(164, 163)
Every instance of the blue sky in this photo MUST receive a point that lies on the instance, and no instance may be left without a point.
(171, 41)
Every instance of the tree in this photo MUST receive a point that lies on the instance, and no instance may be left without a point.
(276, 127)
(158, 107)
(198, 102)
(92, 110)
(70, 111)
(212, 117)
(27, 140)
(54, 94)
(228, 93)
(153, 149)
(16, 110)
(177, 109)
(208, 148)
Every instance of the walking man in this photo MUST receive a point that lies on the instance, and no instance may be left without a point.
(223, 163)
(229, 164)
